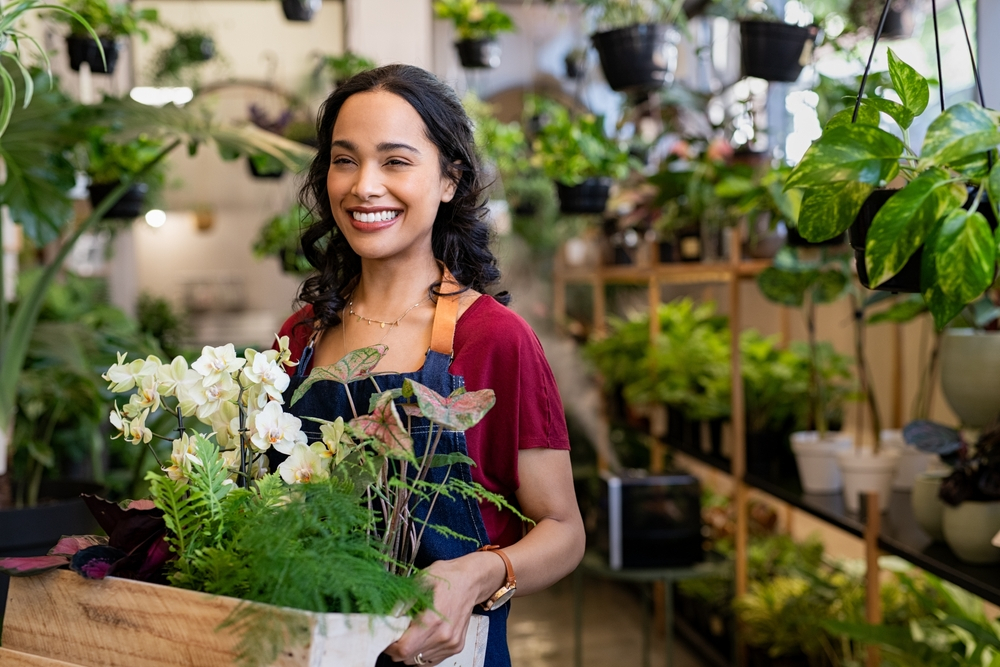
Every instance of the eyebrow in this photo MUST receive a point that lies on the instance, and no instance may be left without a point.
(384, 147)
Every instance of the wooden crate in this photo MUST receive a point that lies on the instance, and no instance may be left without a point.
(60, 616)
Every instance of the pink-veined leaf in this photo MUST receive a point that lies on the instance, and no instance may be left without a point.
(69, 545)
(458, 412)
(26, 566)
(140, 504)
(354, 366)
(384, 425)
(412, 409)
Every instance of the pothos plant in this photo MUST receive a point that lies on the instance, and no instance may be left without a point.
(932, 211)
(474, 19)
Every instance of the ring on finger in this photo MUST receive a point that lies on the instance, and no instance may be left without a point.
(418, 659)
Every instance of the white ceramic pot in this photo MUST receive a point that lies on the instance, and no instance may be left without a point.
(970, 375)
(864, 471)
(912, 461)
(928, 509)
(969, 528)
(816, 459)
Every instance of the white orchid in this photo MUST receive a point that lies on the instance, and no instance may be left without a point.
(123, 377)
(225, 423)
(272, 427)
(284, 354)
(172, 375)
(147, 398)
(302, 466)
(267, 376)
(133, 430)
(216, 363)
(335, 443)
(180, 456)
(210, 397)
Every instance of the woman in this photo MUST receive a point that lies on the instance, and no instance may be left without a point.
(402, 250)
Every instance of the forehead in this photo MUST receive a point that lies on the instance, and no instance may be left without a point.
(375, 117)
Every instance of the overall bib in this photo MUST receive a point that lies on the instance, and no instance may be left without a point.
(328, 400)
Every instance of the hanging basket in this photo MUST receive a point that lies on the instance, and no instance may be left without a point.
(478, 53)
(591, 196)
(908, 278)
(775, 51)
(638, 57)
(84, 50)
(900, 22)
(300, 10)
(129, 207)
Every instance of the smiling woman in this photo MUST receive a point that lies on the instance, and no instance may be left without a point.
(402, 243)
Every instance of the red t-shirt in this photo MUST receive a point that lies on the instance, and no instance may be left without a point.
(494, 349)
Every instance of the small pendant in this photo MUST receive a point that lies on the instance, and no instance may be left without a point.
(382, 324)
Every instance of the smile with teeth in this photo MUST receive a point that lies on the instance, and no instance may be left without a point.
(381, 216)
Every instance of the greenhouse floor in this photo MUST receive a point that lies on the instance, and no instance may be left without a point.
(540, 629)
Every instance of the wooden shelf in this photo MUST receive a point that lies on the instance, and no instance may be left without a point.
(674, 273)
(720, 463)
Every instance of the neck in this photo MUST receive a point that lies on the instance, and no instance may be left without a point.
(387, 288)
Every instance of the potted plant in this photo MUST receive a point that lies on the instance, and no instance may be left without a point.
(111, 22)
(900, 22)
(107, 162)
(343, 67)
(178, 62)
(971, 494)
(933, 235)
(805, 283)
(969, 358)
(281, 237)
(637, 41)
(300, 10)
(576, 153)
(288, 124)
(477, 25)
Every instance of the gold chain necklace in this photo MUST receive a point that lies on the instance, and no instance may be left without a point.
(382, 325)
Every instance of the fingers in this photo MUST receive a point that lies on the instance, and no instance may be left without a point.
(429, 640)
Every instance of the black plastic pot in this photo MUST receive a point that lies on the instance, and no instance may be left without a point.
(591, 196)
(638, 57)
(128, 207)
(796, 240)
(478, 53)
(84, 50)
(300, 10)
(775, 51)
(689, 246)
(908, 278)
(900, 22)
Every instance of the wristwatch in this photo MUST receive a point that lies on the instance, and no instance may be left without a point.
(506, 591)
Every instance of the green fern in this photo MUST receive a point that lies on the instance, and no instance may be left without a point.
(181, 514)
(210, 477)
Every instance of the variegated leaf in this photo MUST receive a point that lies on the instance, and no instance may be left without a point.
(896, 111)
(966, 255)
(354, 366)
(906, 219)
(943, 308)
(867, 115)
(961, 131)
(456, 412)
(829, 210)
(912, 88)
(993, 187)
(384, 425)
(69, 545)
(859, 153)
(26, 566)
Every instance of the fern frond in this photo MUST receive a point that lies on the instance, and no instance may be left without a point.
(210, 476)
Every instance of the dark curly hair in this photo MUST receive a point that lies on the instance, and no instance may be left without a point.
(460, 237)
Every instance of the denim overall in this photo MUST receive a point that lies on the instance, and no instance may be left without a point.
(328, 400)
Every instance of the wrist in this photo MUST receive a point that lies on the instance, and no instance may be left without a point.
(491, 574)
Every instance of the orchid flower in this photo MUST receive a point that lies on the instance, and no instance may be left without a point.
(217, 363)
(268, 375)
(272, 427)
(302, 466)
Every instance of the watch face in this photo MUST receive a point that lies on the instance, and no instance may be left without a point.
(506, 594)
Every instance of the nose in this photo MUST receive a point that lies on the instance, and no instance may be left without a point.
(368, 183)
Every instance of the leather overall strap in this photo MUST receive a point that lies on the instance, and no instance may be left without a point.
(445, 315)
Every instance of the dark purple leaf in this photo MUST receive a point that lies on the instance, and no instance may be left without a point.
(26, 566)
(126, 528)
(96, 562)
(933, 438)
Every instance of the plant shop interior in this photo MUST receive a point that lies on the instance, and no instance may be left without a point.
(669, 212)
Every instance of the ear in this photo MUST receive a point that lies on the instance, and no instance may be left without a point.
(451, 183)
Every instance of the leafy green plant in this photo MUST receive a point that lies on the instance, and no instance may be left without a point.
(158, 318)
(613, 14)
(474, 19)
(346, 65)
(281, 238)
(108, 20)
(107, 162)
(850, 160)
(176, 62)
(572, 149)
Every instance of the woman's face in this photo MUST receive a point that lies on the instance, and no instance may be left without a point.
(385, 181)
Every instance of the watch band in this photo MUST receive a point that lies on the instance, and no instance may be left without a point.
(507, 590)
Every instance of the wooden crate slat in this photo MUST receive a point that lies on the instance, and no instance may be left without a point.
(9, 658)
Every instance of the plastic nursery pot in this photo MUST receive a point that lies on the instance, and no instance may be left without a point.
(970, 375)
(775, 51)
(928, 508)
(130, 205)
(908, 278)
(300, 10)
(638, 57)
(864, 472)
(478, 53)
(591, 196)
(969, 528)
(84, 50)
(912, 461)
(816, 459)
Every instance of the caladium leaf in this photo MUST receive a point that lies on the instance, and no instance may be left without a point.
(905, 221)
(931, 437)
(859, 153)
(829, 210)
(68, 546)
(384, 425)
(26, 566)
(353, 366)
(895, 110)
(911, 87)
(960, 131)
(966, 255)
(374, 399)
(867, 115)
(456, 412)
(943, 308)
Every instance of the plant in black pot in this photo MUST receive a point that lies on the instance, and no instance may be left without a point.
(180, 62)
(900, 22)
(477, 25)
(579, 156)
(111, 22)
(342, 67)
(637, 41)
(106, 162)
(300, 10)
(281, 237)
(289, 124)
(935, 234)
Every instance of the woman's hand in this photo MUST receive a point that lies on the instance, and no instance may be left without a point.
(459, 585)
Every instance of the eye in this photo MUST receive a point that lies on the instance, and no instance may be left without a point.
(396, 162)
(341, 160)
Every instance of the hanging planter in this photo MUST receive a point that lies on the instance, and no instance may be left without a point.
(130, 206)
(478, 53)
(591, 196)
(84, 50)
(776, 51)
(638, 57)
(300, 10)
(900, 21)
